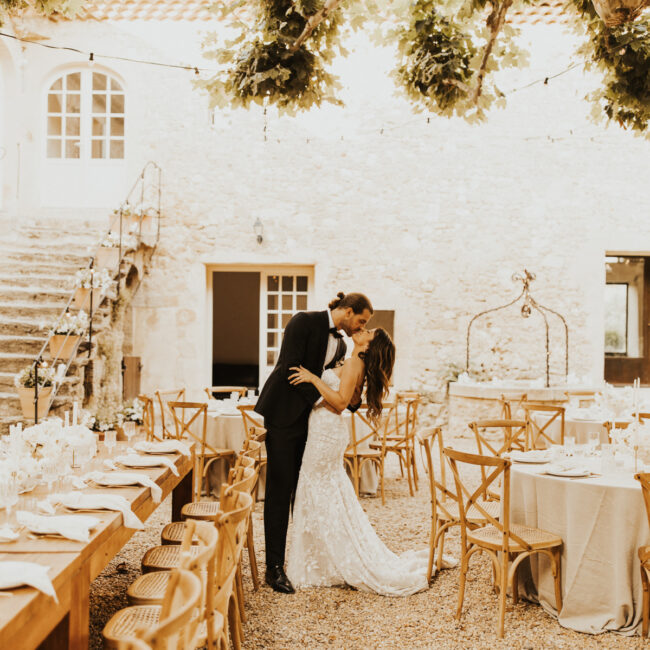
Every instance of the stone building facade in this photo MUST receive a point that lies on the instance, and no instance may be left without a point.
(428, 216)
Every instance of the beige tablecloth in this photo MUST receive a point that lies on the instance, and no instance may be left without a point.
(602, 522)
(227, 431)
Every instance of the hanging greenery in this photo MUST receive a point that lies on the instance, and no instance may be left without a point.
(12, 8)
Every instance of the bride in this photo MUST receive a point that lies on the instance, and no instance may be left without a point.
(333, 542)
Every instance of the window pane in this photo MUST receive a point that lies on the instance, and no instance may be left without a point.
(117, 148)
(270, 358)
(272, 283)
(287, 283)
(73, 103)
(115, 85)
(54, 148)
(272, 302)
(271, 340)
(301, 303)
(54, 126)
(98, 148)
(301, 283)
(117, 104)
(99, 103)
(72, 148)
(285, 319)
(54, 104)
(99, 126)
(287, 302)
(72, 126)
(272, 321)
(57, 85)
(117, 126)
(73, 81)
(99, 81)
(616, 318)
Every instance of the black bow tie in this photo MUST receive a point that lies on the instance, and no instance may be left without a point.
(335, 333)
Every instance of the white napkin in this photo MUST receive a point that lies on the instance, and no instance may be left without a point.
(163, 447)
(78, 501)
(118, 479)
(17, 574)
(137, 460)
(8, 534)
(74, 527)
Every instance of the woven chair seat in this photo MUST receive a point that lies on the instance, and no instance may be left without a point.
(397, 446)
(217, 453)
(474, 516)
(125, 622)
(492, 537)
(173, 533)
(164, 558)
(363, 453)
(149, 588)
(203, 510)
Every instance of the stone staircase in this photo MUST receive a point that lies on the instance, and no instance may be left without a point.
(37, 267)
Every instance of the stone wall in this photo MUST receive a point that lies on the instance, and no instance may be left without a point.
(428, 217)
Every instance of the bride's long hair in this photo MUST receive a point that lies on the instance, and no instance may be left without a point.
(379, 360)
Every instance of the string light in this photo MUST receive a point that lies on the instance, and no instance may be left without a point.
(91, 59)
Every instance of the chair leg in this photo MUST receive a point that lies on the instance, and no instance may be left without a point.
(646, 601)
(432, 544)
(250, 544)
(503, 588)
(461, 585)
(239, 585)
(407, 462)
(441, 550)
(381, 478)
(557, 575)
(515, 584)
(234, 622)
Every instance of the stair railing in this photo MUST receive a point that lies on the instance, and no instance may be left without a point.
(147, 187)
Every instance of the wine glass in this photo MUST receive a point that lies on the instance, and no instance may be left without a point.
(129, 430)
(50, 472)
(593, 438)
(110, 440)
(8, 495)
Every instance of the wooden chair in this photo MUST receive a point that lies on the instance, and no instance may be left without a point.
(609, 426)
(254, 429)
(511, 408)
(411, 401)
(644, 555)
(148, 418)
(502, 541)
(198, 412)
(249, 417)
(538, 437)
(643, 416)
(355, 457)
(156, 625)
(212, 390)
(583, 397)
(166, 419)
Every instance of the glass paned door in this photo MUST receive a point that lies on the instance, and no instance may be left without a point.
(283, 293)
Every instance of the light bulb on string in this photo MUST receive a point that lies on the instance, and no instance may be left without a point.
(91, 60)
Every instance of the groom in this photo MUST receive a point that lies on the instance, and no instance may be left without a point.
(312, 340)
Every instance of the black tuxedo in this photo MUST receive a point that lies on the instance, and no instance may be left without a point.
(286, 411)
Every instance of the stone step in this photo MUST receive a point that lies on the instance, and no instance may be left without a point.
(69, 382)
(46, 266)
(34, 311)
(22, 344)
(34, 294)
(44, 280)
(25, 255)
(10, 404)
(15, 361)
(20, 327)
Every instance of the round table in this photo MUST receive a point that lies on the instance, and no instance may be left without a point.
(227, 432)
(602, 522)
(578, 428)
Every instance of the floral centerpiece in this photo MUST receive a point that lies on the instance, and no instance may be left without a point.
(25, 382)
(87, 279)
(132, 412)
(635, 439)
(65, 334)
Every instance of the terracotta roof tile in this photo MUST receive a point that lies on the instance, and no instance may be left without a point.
(145, 10)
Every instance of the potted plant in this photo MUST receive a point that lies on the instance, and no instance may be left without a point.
(65, 334)
(87, 279)
(25, 382)
(108, 254)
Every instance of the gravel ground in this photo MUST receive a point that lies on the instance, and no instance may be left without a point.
(346, 618)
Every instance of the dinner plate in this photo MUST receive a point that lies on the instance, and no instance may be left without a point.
(114, 479)
(527, 457)
(573, 472)
(155, 447)
(140, 461)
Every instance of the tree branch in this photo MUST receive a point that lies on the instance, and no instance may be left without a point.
(314, 21)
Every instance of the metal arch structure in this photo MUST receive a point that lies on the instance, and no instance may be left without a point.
(529, 304)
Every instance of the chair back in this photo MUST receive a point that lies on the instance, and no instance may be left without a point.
(644, 479)
(497, 437)
(249, 417)
(164, 397)
(243, 479)
(148, 419)
(539, 436)
(430, 440)
(178, 623)
(511, 407)
(493, 470)
(216, 390)
(412, 401)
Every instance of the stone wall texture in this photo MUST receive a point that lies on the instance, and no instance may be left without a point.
(429, 217)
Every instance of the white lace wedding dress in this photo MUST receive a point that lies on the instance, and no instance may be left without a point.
(332, 540)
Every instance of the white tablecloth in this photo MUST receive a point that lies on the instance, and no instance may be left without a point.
(580, 429)
(227, 431)
(602, 522)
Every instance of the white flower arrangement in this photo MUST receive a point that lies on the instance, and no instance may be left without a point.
(26, 378)
(71, 324)
(112, 240)
(133, 412)
(90, 278)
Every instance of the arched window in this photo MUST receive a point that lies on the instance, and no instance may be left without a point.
(85, 117)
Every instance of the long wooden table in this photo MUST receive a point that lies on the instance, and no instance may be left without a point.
(30, 619)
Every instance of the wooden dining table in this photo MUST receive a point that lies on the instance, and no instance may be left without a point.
(29, 618)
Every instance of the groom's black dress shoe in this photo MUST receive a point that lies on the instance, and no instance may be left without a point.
(277, 579)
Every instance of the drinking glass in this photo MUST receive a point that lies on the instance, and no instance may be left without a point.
(593, 438)
(607, 462)
(234, 396)
(570, 444)
(50, 472)
(110, 440)
(129, 430)
(251, 393)
(8, 495)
